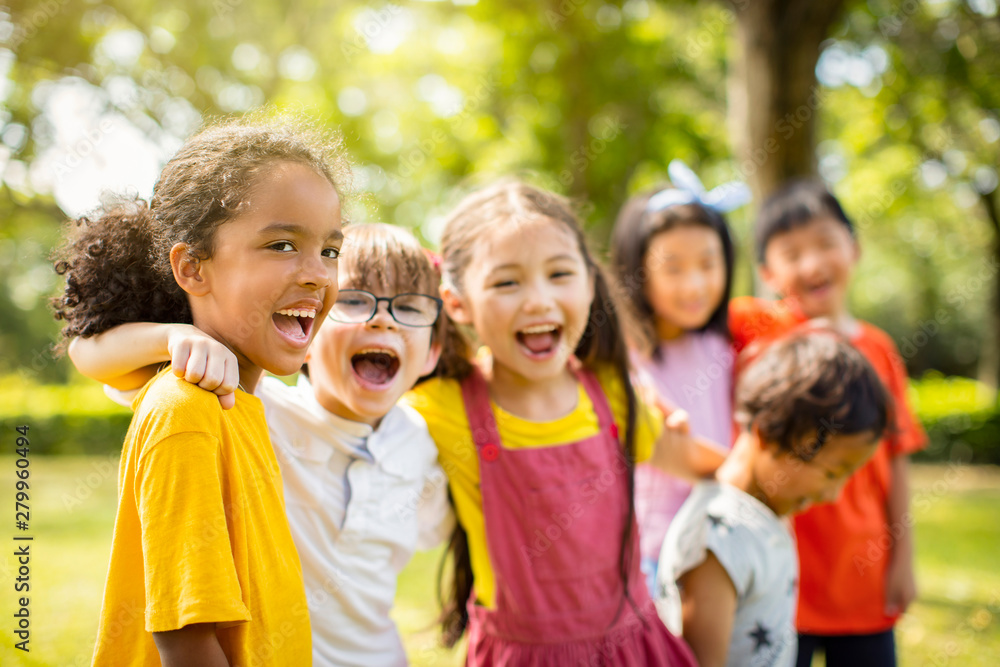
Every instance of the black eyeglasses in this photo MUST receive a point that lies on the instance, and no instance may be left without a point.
(355, 306)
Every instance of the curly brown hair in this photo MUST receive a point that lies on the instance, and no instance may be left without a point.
(116, 262)
(810, 386)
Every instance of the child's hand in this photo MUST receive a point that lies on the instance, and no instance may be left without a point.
(678, 423)
(204, 361)
(900, 584)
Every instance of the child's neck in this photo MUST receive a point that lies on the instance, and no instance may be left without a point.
(534, 400)
(666, 331)
(839, 320)
(738, 468)
(249, 375)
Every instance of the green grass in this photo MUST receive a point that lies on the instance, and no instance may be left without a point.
(956, 622)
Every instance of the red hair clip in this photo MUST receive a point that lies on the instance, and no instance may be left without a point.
(435, 259)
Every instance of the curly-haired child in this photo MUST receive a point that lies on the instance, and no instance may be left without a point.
(811, 411)
(241, 239)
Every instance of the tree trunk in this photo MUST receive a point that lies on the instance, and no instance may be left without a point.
(773, 93)
(989, 358)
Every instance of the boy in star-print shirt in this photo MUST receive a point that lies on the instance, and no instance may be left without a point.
(811, 411)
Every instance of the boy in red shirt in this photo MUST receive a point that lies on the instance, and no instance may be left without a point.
(855, 554)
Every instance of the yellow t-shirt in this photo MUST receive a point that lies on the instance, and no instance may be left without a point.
(440, 403)
(201, 534)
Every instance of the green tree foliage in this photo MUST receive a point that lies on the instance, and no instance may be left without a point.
(590, 98)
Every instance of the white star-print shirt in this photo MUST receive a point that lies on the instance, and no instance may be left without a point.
(758, 553)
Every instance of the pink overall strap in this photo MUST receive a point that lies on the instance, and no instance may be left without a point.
(476, 397)
(598, 399)
(554, 515)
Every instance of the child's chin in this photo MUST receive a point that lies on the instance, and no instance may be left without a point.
(284, 367)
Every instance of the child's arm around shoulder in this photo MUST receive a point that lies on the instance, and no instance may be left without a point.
(126, 357)
(708, 607)
(193, 645)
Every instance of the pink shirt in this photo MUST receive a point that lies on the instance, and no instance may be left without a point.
(695, 373)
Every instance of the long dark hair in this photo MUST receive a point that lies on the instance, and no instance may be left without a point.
(634, 230)
(117, 261)
(602, 344)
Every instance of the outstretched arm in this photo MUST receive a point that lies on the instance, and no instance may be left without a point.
(126, 357)
(901, 585)
(682, 455)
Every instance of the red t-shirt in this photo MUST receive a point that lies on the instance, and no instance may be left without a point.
(844, 546)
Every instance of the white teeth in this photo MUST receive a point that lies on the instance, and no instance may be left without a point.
(298, 313)
(541, 328)
(376, 350)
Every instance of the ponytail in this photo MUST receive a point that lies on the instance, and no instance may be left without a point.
(454, 618)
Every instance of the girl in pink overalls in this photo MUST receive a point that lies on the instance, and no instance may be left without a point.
(538, 439)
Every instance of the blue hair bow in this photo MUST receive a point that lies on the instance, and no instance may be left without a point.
(688, 189)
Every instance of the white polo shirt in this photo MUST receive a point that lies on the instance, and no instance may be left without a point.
(359, 501)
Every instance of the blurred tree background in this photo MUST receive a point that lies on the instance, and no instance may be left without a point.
(900, 114)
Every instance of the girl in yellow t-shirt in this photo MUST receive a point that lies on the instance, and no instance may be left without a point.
(241, 239)
(539, 442)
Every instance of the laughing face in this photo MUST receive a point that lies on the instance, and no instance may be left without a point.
(527, 292)
(272, 276)
(687, 277)
(359, 371)
(787, 484)
(811, 264)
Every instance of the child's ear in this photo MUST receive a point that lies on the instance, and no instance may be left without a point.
(187, 271)
(432, 359)
(762, 444)
(455, 306)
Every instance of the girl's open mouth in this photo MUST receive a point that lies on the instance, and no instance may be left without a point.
(540, 341)
(375, 367)
(295, 324)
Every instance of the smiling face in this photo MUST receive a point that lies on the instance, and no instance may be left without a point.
(811, 264)
(787, 484)
(527, 292)
(272, 276)
(687, 277)
(359, 371)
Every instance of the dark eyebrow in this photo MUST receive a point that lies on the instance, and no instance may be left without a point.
(289, 228)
